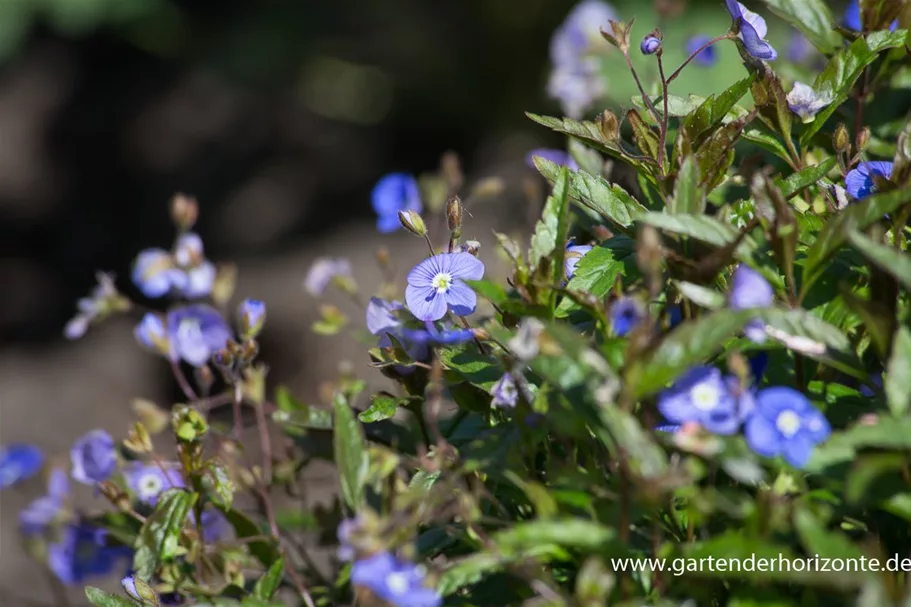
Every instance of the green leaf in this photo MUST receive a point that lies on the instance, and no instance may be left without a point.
(493, 291)
(844, 69)
(701, 227)
(638, 447)
(476, 368)
(811, 17)
(713, 110)
(689, 195)
(218, 484)
(158, 539)
(717, 154)
(608, 200)
(896, 383)
(644, 136)
(687, 345)
(701, 296)
(265, 551)
(597, 272)
(100, 598)
(893, 261)
(550, 233)
(350, 454)
(857, 216)
(887, 433)
(285, 401)
(767, 139)
(472, 569)
(382, 406)
(268, 584)
(797, 182)
(568, 532)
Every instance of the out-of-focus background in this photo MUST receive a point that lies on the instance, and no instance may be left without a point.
(279, 116)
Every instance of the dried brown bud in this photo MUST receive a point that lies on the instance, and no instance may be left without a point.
(840, 138)
(454, 214)
(184, 211)
(863, 138)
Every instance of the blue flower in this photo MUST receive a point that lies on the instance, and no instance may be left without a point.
(799, 47)
(753, 30)
(81, 553)
(147, 481)
(505, 392)
(876, 381)
(749, 289)
(852, 18)
(393, 193)
(436, 285)
(859, 182)
(195, 333)
(701, 395)
(707, 56)
(399, 583)
(200, 273)
(805, 102)
(785, 423)
(38, 515)
(324, 270)
(650, 44)
(625, 314)
(574, 253)
(252, 315)
(100, 301)
(156, 274)
(215, 527)
(432, 335)
(19, 462)
(152, 333)
(346, 529)
(558, 157)
(383, 322)
(94, 457)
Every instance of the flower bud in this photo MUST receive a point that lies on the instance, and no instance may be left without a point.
(140, 591)
(650, 44)
(184, 211)
(138, 439)
(840, 138)
(609, 125)
(188, 424)
(863, 138)
(618, 34)
(454, 214)
(152, 334)
(252, 315)
(249, 350)
(413, 222)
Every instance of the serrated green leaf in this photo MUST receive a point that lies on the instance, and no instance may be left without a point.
(350, 453)
(844, 69)
(701, 227)
(478, 369)
(268, 584)
(889, 259)
(713, 110)
(218, 484)
(896, 382)
(158, 539)
(100, 598)
(797, 182)
(811, 17)
(856, 217)
(689, 194)
(550, 233)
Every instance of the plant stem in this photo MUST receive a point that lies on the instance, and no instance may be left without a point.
(183, 382)
(662, 136)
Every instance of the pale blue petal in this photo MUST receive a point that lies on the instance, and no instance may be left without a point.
(425, 303)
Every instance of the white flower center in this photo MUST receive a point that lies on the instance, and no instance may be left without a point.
(704, 397)
(397, 583)
(150, 485)
(441, 282)
(788, 423)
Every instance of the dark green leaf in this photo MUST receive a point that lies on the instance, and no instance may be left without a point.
(701, 227)
(889, 259)
(570, 533)
(472, 569)
(597, 272)
(550, 233)
(896, 383)
(350, 454)
(713, 110)
(158, 540)
(844, 69)
(645, 137)
(268, 584)
(802, 179)
(478, 369)
(812, 17)
(100, 598)
(689, 195)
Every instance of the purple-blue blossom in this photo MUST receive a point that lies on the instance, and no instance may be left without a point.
(625, 314)
(703, 396)
(505, 392)
(147, 481)
(93, 457)
(382, 321)
(19, 462)
(558, 157)
(81, 553)
(707, 56)
(650, 44)
(397, 582)
(750, 289)
(96, 305)
(195, 333)
(799, 47)
(432, 335)
(49, 508)
(574, 253)
(393, 193)
(151, 333)
(859, 181)
(784, 422)
(436, 285)
(326, 269)
(155, 274)
(252, 316)
(200, 273)
(753, 30)
(806, 102)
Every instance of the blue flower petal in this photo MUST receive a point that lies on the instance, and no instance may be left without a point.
(19, 462)
(761, 436)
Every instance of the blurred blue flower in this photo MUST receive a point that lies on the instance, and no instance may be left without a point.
(852, 17)
(799, 47)
(708, 56)
(195, 333)
(200, 273)
(558, 157)
(859, 182)
(324, 270)
(347, 528)
(215, 527)
(749, 289)
(753, 30)
(37, 516)
(94, 306)
(505, 392)
(152, 333)
(669, 428)
(155, 274)
(382, 321)
(785, 423)
(876, 381)
(806, 102)
(432, 335)
(758, 364)
(94, 457)
(19, 462)
(701, 395)
(625, 314)
(650, 44)
(252, 315)
(393, 193)
(147, 481)
(398, 583)
(573, 254)
(81, 553)
(674, 315)
(436, 285)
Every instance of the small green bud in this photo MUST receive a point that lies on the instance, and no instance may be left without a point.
(138, 439)
(188, 424)
(840, 138)
(413, 222)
